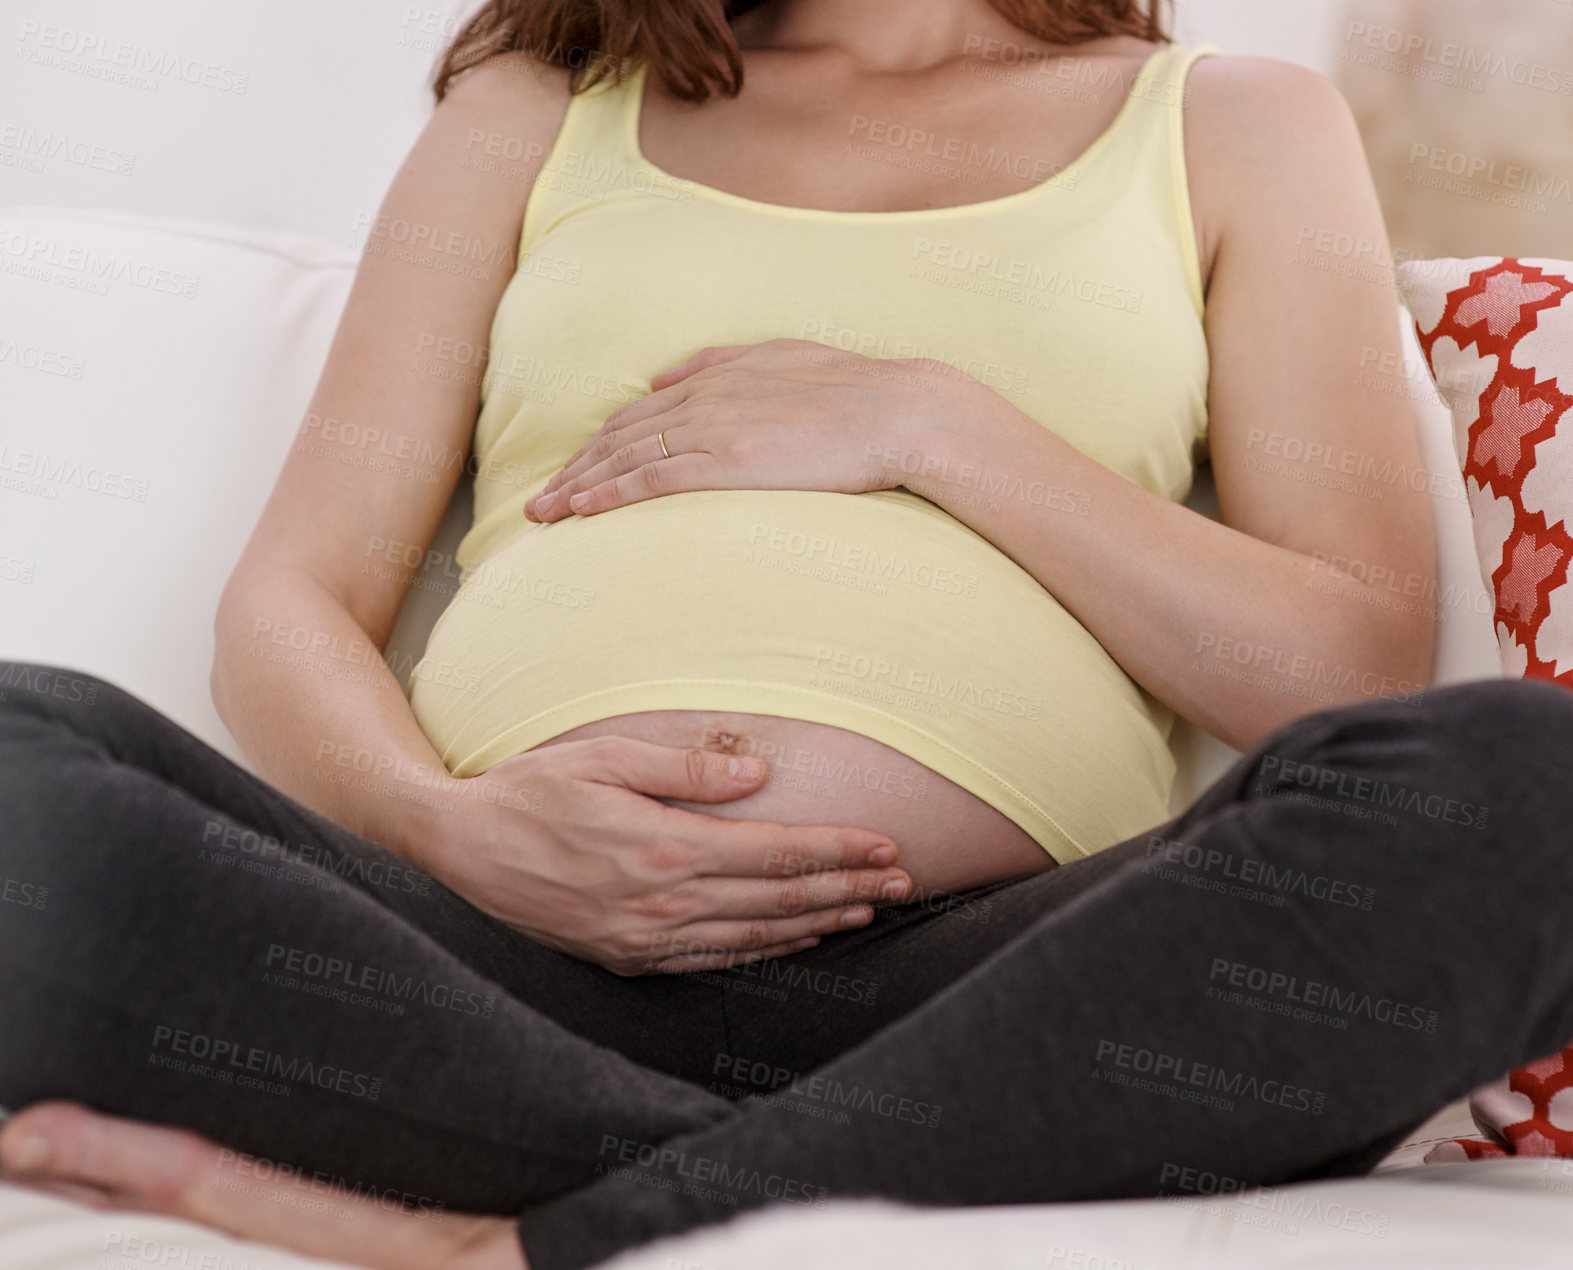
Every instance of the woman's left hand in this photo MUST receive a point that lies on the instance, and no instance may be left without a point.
(785, 414)
(112, 1163)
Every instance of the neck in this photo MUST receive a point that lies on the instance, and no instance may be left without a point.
(881, 35)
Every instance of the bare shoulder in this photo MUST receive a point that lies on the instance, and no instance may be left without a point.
(1264, 110)
(511, 86)
(1266, 82)
(1263, 139)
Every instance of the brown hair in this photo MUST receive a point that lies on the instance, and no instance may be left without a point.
(689, 43)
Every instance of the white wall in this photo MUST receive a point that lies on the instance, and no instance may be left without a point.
(310, 104)
(1305, 31)
(307, 109)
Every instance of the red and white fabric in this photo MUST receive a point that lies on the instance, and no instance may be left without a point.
(1498, 335)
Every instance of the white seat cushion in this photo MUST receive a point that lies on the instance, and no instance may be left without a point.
(130, 483)
(1460, 1216)
(1515, 1212)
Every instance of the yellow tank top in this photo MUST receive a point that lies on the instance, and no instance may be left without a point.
(1078, 299)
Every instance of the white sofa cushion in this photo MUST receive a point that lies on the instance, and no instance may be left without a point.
(1514, 1212)
(1449, 1217)
(45, 1232)
(130, 483)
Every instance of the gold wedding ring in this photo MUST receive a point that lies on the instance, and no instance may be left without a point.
(661, 437)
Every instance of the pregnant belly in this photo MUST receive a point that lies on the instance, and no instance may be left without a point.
(949, 839)
(894, 670)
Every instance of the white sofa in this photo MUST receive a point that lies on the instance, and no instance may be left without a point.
(170, 276)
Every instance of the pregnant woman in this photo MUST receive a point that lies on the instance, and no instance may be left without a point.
(798, 728)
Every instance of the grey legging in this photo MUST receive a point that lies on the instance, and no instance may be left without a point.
(1364, 918)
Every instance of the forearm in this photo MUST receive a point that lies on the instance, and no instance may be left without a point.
(1228, 630)
(316, 710)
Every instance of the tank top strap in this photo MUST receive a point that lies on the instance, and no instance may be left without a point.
(1143, 164)
(1155, 111)
(1169, 68)
(593, 153)
(1162, 86)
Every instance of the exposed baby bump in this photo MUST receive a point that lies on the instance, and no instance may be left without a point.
(818, 774)
(894, 669)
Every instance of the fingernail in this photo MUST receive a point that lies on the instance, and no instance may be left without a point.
(27, 1155)
(578, 500)
(894, 890)
(856, 917)
(745, 767)
(543, 502)
(883, 855)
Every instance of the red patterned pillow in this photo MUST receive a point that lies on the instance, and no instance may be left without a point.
(1527, 1112)
(1498, 335)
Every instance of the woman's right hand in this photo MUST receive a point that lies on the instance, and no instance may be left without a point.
(569, 844)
